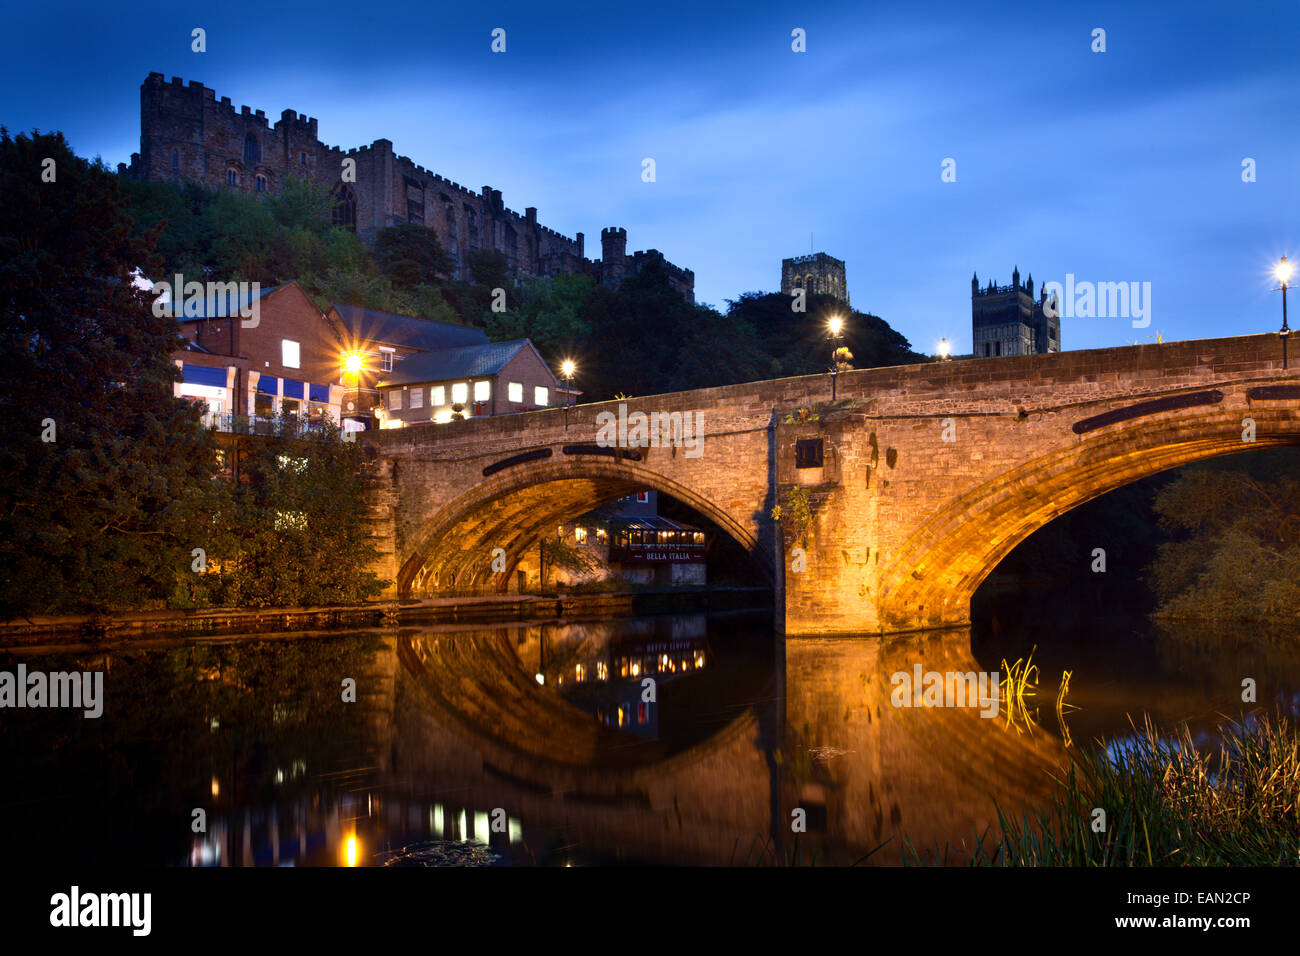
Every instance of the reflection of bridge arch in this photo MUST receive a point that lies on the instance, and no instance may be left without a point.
(514, 508)
(949, 555)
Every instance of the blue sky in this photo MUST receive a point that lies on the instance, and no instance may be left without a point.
(1115, 166)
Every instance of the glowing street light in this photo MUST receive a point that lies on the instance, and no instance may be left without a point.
(1282, 272)
(567, 368)
(945, 349)
(835, 325)
(353, 362)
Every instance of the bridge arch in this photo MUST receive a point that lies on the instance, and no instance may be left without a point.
(932, 577)
(511, 510)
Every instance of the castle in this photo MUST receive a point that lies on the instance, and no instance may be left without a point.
(1005, 319)
(186, 134)
(816, 274)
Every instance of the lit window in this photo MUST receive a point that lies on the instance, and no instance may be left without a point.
(394, 400)
(417, 398)
(540, 396)
(643, 497)
(482, 390)
(438, 395)
(289, 356)
(460, 393)
(515, 391)
(580, 535)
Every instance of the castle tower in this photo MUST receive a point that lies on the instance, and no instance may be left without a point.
(816, 274)
(613, 255)
(1005, 320)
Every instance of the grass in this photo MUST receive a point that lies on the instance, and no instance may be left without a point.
(1165, 803)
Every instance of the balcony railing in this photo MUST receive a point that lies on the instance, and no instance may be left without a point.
(290, 427)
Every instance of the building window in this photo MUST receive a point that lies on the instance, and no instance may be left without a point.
(260, 183)
(482, 390)
(176, 160)
(580, 535)
(345, 208)
(808, 453)
(515, 392)
(438, 395)
(252, 151)
(395, 400)
(289, 356)
(460, 393)
(302, 158)
(232, 177)
(643, 497)
(417, 398)
(385, 359)
(540, 396)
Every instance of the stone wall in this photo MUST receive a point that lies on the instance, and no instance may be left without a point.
(930, 473)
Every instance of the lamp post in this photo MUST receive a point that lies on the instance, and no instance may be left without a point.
(1282, 271)
(567, 368)
(945, 350)
(836, 327)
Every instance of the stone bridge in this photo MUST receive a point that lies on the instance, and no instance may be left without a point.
(896, 501)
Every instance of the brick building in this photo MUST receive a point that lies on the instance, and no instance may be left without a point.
(1005, 319)
(488, 379)
(188, 135)
(284, 363)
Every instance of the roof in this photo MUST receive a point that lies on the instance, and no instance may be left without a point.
(650, 523)
(472, 361)
(371, 325)
(219, 306)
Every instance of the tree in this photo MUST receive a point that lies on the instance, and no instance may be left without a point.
(411, 255)
(102, 471)
(1235, 556)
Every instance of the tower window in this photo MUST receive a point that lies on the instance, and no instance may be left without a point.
(345, 208)
(260, 183)
(232, 176)
(252, 151)
(302, 158)
(176, 160)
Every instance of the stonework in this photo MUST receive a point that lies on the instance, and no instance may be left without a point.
(188, 135)
(930, 474)
(1005, 320)
(816, 274)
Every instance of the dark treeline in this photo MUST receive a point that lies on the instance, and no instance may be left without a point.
(109, 483)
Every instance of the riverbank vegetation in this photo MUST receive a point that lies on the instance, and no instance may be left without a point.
(1166, 802)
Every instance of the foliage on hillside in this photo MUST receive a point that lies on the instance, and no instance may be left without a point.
(639, 339)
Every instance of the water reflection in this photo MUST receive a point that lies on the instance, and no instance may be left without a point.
(681, 739)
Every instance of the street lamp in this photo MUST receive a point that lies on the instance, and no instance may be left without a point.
(945, 350)
(836, 327)
(1282, 272)
(567, 368)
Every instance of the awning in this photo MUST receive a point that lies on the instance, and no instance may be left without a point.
(320, 393)
(202, 375)
(268, 383)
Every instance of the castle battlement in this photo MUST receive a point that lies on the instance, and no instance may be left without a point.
(187, 134)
